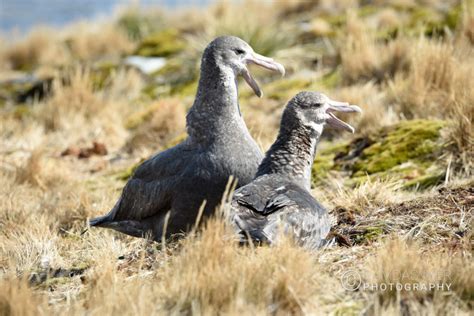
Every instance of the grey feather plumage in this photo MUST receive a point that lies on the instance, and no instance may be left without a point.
(271, 206)
(278, 200)
(178, 180)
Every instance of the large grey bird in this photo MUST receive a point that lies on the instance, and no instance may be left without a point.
(278, 200)
(177, 181)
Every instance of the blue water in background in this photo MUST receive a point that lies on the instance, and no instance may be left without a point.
(22, 15)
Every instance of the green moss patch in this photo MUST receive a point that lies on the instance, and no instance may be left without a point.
(367, 234)
(407, 141)
(407, 151)
(325, 160)
(161, 44)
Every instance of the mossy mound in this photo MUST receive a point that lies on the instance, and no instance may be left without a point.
(161, 44)
(407, 141)
(407, 151)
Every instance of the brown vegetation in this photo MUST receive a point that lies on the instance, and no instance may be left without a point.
(399, 61)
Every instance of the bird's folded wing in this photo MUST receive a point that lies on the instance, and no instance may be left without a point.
(141, 199)
(263, 199)
(309, 228)
(150, 189)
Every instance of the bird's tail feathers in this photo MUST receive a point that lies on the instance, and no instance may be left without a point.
(99, 221)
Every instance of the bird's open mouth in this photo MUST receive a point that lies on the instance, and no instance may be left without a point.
(335, 106)
(264, 62)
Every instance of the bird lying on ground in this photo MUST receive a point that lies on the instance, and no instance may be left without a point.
(278, 201)
(169, 188)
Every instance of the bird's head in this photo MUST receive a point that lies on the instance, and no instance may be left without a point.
(314, 110)
(235, 54)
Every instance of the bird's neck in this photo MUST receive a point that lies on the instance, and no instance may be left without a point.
(216, 106)
(292, 155)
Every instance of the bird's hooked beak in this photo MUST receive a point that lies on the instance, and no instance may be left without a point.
(265, 62)
(335, 106)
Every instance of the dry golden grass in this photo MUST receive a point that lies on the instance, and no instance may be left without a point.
(373, 102)
(393, 235)
(205, 273)
(39, 47)
(92, 43)
(157, 124)
(226, 18)
(439, 85)
(75, 103)
(81, 42)
(407, 264)
(368, 195)
(365, 58)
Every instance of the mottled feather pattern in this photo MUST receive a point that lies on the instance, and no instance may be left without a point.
(268, 207)
(278, 200)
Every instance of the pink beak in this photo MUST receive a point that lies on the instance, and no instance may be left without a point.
(264, 62)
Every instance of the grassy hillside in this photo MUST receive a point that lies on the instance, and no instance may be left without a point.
(75, 119)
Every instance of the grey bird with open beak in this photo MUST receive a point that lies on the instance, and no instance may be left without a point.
(278, 201)
(164, 195)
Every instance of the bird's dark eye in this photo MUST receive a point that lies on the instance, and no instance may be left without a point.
(239, 51)
(317, 105)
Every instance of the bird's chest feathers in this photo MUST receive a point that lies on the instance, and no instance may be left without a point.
(242, 163)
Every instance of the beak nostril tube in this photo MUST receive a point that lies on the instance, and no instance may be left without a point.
(265, 62)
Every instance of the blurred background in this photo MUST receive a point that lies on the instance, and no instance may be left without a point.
(22, 15)
(70, 67)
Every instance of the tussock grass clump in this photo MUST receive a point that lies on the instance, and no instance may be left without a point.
(232, 278)
(40, 172)
(437, 80)
(38, 47)
(367, 195)
(364, 58)
(91, 43)
(406, 264)
(76, 103)
(14, 294)
(157, 124)
(257, 25)
(47, 47)
(460, 138)
(73, 99)
(372, 100)
(138, 23)
(439, 85)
